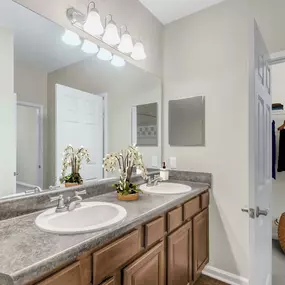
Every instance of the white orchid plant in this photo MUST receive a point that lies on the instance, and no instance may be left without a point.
(73, 159)
(125, 161)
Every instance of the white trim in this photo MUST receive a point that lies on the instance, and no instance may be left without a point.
(40, 112)
(26, 184)
(225, 276)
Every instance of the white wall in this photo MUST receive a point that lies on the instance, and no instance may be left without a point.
(278, 83)
(207, 54)
(7, 114)
(31, 86)
(140, 22)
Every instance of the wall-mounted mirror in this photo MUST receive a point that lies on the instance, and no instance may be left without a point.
(145, 124)
(64, 95)
(187, 121)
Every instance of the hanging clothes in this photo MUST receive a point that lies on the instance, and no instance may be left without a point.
(281, 158)
(273, 151)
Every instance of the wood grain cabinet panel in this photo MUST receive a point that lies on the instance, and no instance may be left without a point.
(174, 219)
(114, 255)
(179, 246)
(70, 275)
(154, 231)
(205, 200)
(200, 243)
(110, 281)
(191, 208)
(149, 269)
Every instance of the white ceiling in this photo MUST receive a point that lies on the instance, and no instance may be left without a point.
(167, 11)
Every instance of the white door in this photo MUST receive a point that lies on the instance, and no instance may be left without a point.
(260, 168)
(79, 122)
(29, 146)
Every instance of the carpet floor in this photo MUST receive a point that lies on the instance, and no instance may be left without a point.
(205, 280)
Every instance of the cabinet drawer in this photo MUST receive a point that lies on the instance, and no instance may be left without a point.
(114, 255)
(191, 208)
(70, 275)
(205, 200)
(174, 219)
(154, 231)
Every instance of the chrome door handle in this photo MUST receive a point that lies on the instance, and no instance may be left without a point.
(261, 212)
(250, 212)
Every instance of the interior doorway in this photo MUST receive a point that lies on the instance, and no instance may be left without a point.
(29, 172)
(278, 185)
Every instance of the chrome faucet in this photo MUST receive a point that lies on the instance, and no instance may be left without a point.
(70, 204)
(34, 190)
(154, 181)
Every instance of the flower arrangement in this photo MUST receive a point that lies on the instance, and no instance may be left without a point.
(125, 161)
(73, 158)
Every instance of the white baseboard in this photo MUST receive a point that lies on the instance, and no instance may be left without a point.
(224, 276)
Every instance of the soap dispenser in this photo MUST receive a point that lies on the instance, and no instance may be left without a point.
(164, 172)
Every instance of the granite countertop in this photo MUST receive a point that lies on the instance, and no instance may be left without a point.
(26, 252)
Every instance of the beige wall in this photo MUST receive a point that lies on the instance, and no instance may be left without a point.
(31, 86)
(140, 22)
(271, 21)
(207, 54)
(7, 114)
(126, 87)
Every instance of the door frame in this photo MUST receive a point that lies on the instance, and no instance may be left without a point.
(40, 110)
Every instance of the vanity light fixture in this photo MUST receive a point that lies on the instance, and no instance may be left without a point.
(104, 54)
(89, 47)
(126, 45)
(138, 52)
(111, 35)
(71, 38)
(118, 61)
(93, 25)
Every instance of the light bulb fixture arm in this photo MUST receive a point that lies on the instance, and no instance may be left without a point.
(108, 19)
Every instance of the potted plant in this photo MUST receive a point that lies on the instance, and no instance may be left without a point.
(73, 158)
(125, 161)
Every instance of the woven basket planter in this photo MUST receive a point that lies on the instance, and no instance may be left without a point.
(281, 231)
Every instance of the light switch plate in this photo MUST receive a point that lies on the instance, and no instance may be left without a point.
(172, 162)
(154, 161)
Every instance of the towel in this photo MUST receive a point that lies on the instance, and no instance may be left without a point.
(281, 159)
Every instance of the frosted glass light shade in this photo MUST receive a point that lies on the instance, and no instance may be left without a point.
(111, 35)
(93, 25)
(138, 52)
(126, 44)
(118, 61)
(104, 54)
(89, 47)
(71, 38)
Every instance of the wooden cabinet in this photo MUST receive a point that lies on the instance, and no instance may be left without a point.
(148, 269)
(179, 248)
(70, 275)
(200, 242)
(141, 257)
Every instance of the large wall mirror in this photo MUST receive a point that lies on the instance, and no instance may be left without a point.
(66, 95)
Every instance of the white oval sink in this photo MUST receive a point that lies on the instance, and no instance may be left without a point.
(166, 188)
(91, 216)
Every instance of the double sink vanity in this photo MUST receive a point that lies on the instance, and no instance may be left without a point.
(162, 237)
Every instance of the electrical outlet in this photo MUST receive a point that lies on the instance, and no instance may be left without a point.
(154, 161)
(172, 162)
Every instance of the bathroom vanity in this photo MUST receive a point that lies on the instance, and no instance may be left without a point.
(164, 238)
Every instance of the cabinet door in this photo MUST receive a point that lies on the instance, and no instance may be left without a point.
(180, 256)
(148, 269)
(200, 242)
(70, 275)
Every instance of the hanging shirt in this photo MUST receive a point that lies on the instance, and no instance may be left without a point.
(281, 158)
(273, 151)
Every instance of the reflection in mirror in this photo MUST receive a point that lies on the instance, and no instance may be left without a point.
(144, 125)
(187, 122)
(65, 95)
